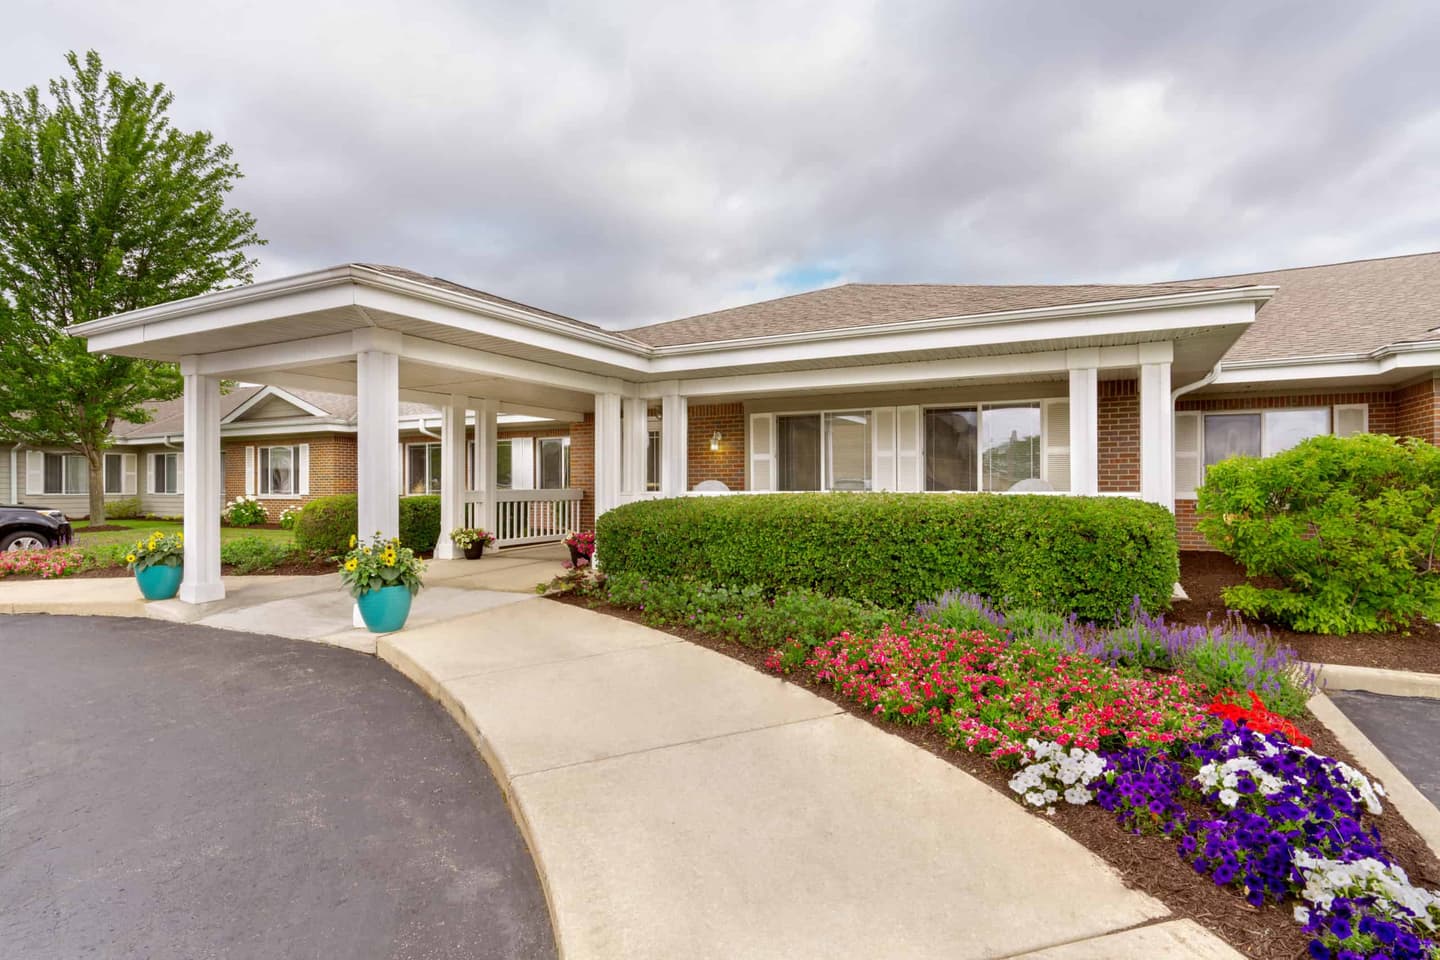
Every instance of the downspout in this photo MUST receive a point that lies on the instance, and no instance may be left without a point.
(14, 476)
(1204, 381)
(420, 425)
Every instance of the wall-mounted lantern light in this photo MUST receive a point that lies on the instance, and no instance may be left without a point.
(715, 442)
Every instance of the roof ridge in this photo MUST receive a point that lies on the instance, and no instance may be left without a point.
(1311, 266)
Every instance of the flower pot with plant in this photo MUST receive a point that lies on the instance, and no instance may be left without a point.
(383, 577)
(582, 547)
(158, 563)
(472, 540)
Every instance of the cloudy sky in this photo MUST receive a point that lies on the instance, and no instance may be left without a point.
(626, 162)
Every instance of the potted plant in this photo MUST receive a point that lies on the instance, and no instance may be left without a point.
(472, 540)
(582, 547)
(158, 563)
(382, 576)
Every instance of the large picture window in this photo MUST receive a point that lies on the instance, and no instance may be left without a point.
(828, 451)
(952, 444)
(982, 447)
(552, 463)
(165, 473)
(279, 471)
(1261, 434)
(114, 473)
(422, 468)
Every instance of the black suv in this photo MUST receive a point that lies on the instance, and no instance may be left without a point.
(33, 528)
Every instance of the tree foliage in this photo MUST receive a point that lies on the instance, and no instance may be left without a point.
(105, 207)
(1346, 529)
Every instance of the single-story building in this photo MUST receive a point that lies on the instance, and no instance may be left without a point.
(1124, 390)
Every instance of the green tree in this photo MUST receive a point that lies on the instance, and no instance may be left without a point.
(104, 207)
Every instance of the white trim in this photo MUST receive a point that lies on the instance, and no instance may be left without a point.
(265, 393)
(1378, 362)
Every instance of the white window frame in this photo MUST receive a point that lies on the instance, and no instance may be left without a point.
(823, 415)
(410, 480)
(539, 445)
(119, 473)
(64, 490)
(1266, 448)
(161, 472)
(1037, 403)
(262, 472)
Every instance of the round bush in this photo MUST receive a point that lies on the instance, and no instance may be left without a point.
(326, 524)
(1347, 526)
(420, 522)
(1087, 555)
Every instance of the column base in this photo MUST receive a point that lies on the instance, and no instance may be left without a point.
(201, 592)
(446, 550)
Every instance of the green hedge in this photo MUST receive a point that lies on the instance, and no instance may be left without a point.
(420, 522)
(1345, 528)
(1085, 555)
(327, 523)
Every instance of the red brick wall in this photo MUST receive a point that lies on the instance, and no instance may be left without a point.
(582, 468)
(1387, 414)
(728, 463)
(1119, 436)
(332, 467)
(1417, 411)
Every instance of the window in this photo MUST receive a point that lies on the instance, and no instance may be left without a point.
(279, 471)
(1010, 450)
(165, 473)
(422, 468)
(952, 439)
(828, 451)
(66, 473)
(504, 464)
(652, 460)
(114, 473)
(552, 463)
(1261, 434)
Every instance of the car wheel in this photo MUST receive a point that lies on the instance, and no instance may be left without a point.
(24, 540)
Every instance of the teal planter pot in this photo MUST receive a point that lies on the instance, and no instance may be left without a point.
(385, 610)
(159, 582)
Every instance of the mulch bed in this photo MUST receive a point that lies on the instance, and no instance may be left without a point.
(1146, 863)
(1205, 573)
(103, 528)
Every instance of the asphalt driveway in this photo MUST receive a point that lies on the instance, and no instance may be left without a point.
(1405, 729)
(170, 791)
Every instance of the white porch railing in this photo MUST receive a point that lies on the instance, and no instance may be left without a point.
(527, 516)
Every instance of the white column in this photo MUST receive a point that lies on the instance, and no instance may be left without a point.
(1157, 426)
(674, 441)
(203, 490)
(485, 465)
(452, 476)
(377, 471)
(637, 441)
(1084, 421)
(607, 452)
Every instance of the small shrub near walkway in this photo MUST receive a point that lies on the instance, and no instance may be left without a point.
(1085, 555)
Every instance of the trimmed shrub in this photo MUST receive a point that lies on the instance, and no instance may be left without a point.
(127, 509)
(420, 522)
(254, 554)
(1086, 555)
(326, 524)
(1348, 527)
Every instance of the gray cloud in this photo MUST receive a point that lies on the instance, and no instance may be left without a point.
(629, 162)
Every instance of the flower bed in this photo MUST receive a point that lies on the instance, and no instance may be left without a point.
(45, 564)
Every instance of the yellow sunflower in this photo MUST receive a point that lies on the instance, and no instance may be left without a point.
(351, 564)
(130, 558)
(389, 557)
(352, 541)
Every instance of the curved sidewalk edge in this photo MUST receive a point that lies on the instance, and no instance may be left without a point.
(1394, 683)
(1406, 798)
(679, 803)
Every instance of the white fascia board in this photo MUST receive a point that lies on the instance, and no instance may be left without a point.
(1078, 322)
(288, 355)
(465, 359)
(262, 429)
(1378, 362)
(880, 375)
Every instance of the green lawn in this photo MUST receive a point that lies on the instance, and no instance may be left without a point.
(136, 529)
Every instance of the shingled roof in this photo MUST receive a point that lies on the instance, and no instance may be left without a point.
(1341, 308)
(868, 304)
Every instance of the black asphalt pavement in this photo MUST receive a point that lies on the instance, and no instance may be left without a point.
(1405, 729)
(169, 791)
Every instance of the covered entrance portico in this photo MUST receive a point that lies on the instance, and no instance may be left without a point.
(388, 336)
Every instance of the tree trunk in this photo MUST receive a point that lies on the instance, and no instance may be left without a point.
(97, 487)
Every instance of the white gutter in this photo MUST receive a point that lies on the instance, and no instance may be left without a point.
(1204, 381)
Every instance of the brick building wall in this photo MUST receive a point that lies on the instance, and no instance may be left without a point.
(332, 467)
(582, 467)
(1410, 411)
(1118, 437)
(726, 464)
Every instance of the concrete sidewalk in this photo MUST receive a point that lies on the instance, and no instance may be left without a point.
(682, 804)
